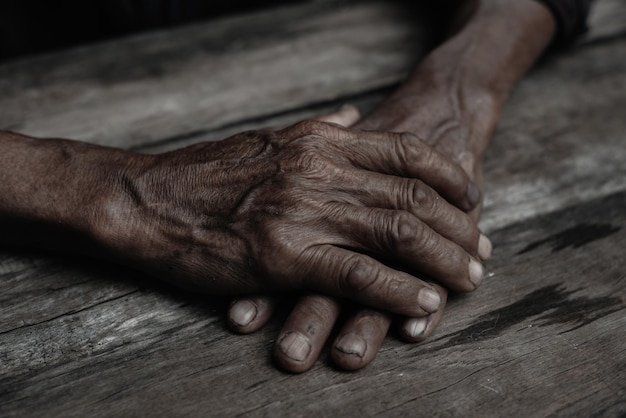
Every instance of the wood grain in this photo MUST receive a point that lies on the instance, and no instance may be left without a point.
(543, 337)
(209, 75)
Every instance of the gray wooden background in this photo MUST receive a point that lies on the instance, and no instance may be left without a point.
(544, 336)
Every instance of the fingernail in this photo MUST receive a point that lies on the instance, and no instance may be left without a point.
(415, 327)
(475, 272)
(352, 344)
(428, 300)
(484, 247)
(295, 346)
(473, 193)
(243, 312)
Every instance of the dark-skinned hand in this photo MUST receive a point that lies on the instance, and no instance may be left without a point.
(309, 207)
(311, 321)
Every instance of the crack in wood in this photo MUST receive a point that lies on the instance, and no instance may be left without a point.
(456, 382)
(554, 298)
(574, 237)
(70, 312)
(263, 118)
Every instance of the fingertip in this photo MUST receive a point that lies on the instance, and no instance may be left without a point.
(476, 273)
(240, 314)
(249, 314)
(484, 247)
(350, 352)
(418, 329)
(428, 300)
(415, 329)
(360, 339)
(293, 352)
(305, 332)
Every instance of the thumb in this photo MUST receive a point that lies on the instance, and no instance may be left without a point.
(347, 116)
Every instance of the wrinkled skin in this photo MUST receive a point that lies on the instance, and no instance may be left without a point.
(453, 101)
(379, 218)
(314, 316)
(310, 207)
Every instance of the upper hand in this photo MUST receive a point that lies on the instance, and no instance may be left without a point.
(311, 207)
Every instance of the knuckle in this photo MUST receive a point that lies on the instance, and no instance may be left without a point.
(423, 197)
(415, 150)
(318, 311)
(409, 141)
(405, 230)
(306, 156)
(275, 257)
(311, 127)
(360, 276)
(313, 165)
(406, 145)
(430, 157)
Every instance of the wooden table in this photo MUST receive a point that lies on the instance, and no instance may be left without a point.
(544, 336)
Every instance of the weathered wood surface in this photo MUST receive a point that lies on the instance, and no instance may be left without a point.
(206, 76)
(544, 336)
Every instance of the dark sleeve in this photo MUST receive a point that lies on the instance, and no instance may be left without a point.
(571, 18)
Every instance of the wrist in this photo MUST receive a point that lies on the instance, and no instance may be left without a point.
(111, 224)
(455, 118)
(454, 98)
(54, 191)
(498, 43)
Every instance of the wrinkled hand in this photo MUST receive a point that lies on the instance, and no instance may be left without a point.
(311, 321)
(311, 207)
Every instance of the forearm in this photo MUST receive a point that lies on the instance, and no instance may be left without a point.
(453, 99)
(52, 191)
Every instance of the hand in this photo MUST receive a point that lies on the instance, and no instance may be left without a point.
(311, 321)
(298, 209)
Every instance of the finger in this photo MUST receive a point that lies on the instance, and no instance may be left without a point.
(335, 271)
(474, 169)
(248, 314)
(305, 332)
(418, 329)
(407, 156)
(401, 237)
(360, 339)
(393, 153)
(347, 116)
(419, 199)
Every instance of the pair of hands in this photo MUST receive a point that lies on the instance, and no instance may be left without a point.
(313, 318)
(377, 218)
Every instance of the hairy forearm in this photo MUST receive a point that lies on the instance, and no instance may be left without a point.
(454, 97)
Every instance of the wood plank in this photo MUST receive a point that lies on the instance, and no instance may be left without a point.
(205, 76)
(561, 138)
(586, 161)
(78, 338)
(538, 339)
(171, 83)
